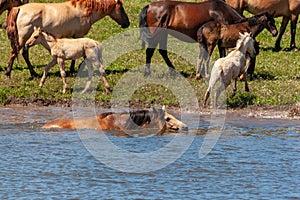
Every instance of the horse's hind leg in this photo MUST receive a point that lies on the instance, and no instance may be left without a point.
(293, 31)
(25, 55)
(285, 21)
(90, 74)
(164, 53)
(103, 74)
(72, 67)
(10, 63)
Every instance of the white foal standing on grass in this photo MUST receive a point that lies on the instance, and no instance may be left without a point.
(69, 49)
(231, 67)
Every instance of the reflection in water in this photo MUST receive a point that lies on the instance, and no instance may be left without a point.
(254, 158)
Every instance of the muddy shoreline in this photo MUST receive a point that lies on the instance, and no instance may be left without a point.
(273, 112)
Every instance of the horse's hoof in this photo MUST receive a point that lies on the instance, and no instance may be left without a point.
(147, 73)
(7, 74)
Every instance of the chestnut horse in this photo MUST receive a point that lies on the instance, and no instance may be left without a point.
(156, 120)
(157, 18)
(226, 35)
(8, 5)
(72, 18)
(288, 9)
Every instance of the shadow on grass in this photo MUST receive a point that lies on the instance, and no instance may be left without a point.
(241, 100)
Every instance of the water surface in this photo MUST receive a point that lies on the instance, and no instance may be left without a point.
(253, 158)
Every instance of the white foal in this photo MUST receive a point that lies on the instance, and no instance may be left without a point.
(231, 67)
(69, 49)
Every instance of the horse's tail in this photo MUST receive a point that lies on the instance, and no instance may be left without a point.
(12, 30)
(143, 25)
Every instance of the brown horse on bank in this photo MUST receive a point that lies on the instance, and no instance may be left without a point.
(180, 19)
(288, 9)
(226, 35)
(156, 121)
(72, 18)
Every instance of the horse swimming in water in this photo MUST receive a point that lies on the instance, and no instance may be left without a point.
(72, 18)
(160, 18)
(156, 120)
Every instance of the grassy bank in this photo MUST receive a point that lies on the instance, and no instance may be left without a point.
(276, 78)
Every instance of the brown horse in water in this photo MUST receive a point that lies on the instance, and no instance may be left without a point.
(226, 35)
(72, 18)
(158, 18)
(288, 9)
(157, 121)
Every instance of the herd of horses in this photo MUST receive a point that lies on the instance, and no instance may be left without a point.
(210, 23)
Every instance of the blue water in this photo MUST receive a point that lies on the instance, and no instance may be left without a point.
(253, 159)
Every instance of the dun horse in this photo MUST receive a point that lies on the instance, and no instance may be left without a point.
(226, 35)
(157, 18)
(75, 18)
(230, 67)
(288, 9)
(156, 120)
(66, 49)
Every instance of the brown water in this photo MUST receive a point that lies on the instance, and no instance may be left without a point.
(253, 158)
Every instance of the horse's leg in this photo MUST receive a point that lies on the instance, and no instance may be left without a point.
(294, 20)
(72, 67)
(164, 53)
(46, 70)
(90, 73)
(62, 73)
(246, 83)
(10, 63)
(202, 60)
(222, 51)
(103, 74)
(284, 23)
(206, 96)
(234, 88)
(25, 55)
(149, 54)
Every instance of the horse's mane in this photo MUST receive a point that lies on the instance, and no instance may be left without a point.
(95, 5)
(240, 41)
(252, 20)
(138, 118)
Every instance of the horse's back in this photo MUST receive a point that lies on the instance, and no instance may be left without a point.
(187, 17)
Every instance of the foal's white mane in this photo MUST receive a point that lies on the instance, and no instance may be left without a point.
(241, 40)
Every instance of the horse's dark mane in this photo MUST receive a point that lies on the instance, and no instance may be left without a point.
(138, 118)
(252, 20)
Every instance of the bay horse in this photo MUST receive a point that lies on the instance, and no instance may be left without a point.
(8, 5)
(72, 18)
(226, 35)
(288, 9)
(157, 18)
(230, 67)
(155, 120)
(62, 49)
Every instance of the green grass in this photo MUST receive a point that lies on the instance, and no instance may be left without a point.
(276, 77)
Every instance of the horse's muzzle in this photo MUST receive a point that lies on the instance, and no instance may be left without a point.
(125, 25)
